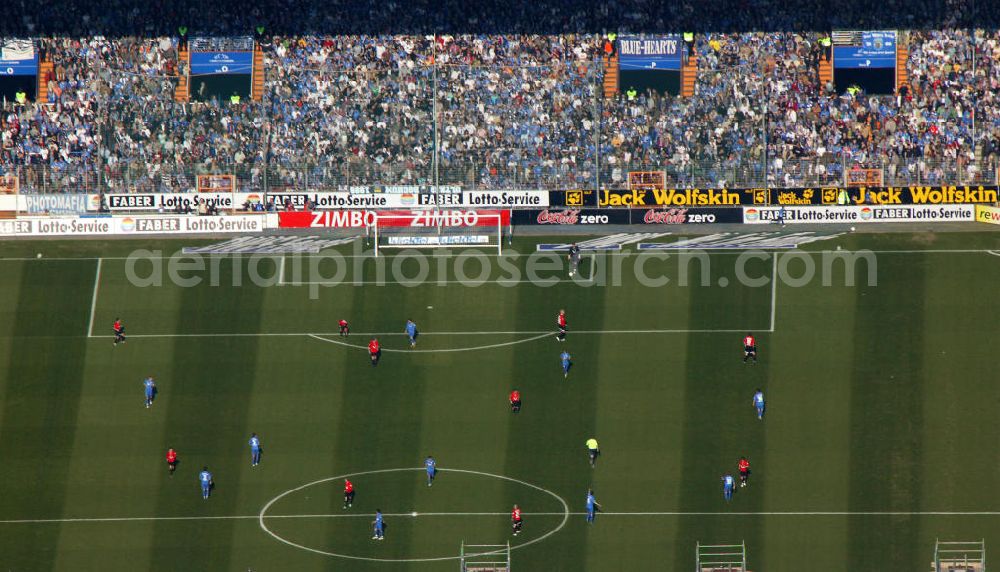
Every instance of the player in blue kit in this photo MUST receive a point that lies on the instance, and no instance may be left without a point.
(566, 363)
(758, 403)
(254, 450)
(205, 478)
(379, 526)
(150, 388)
(592, 506)
(411, 332)
(431, 466)
(728, 485)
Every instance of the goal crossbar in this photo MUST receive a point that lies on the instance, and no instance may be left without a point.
(485, 557)
(720, 557)
(964, 556)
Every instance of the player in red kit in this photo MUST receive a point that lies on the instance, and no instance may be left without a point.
(348, 494)
(515, 401)
(749, 348)
(375, 351)
(561, 322)
(344, 328)
(515, 520)
(744, 468)
(171, 461)
(119, 330)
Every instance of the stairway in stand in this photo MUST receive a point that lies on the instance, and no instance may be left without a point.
(42, 92)
(689, 75)
(902, 73)
(825, 72)
(257, 92)
(611, 76)
(182, 93)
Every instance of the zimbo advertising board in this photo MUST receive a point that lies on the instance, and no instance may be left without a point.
(416, 219)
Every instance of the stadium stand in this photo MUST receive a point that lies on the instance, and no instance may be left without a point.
(493, 109)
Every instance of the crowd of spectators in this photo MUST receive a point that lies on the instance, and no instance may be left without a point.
(154, 18)
(501, 111)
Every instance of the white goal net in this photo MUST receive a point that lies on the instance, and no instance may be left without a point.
(439, 229)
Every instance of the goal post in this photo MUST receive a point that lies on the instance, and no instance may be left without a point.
(439, 229)
(963, 556)
(720, 557)
(485, 557)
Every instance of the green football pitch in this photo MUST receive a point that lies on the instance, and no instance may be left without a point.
(880, 434)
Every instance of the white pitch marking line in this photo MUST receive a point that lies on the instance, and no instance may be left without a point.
(472, 282)
(593, 265)
(98, 520)
(710, 252)
(281, 272)
(93, 301)
(993, 252)
(481, 333)
(433, 351)
(263, 514)
(774, 290)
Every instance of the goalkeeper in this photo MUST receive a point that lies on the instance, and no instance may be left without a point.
(574, 259)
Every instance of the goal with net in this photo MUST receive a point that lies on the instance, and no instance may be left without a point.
(439, 229)
(485, 557)
(966, 556)
(720, 557)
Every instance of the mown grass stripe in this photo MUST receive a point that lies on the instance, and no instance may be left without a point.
(886, 401)
(44, 378)
(719, 425)
(205, 406)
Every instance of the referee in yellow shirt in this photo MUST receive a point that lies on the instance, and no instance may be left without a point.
(593, 450)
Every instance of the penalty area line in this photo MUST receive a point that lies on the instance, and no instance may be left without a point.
(430, 334)
(96, 520)
(93, 300)
(774, 290)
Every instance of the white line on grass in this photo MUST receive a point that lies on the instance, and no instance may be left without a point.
(97, 520)
(710, 252)
(473, 282)
(774, 290)
(93, 301)
(481, 333)
(593, 265)
(433, 351)
(262, 516)
(281, 272)
(993, 252)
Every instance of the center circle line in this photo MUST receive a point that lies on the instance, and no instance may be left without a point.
(434, 351)
(263, 513)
